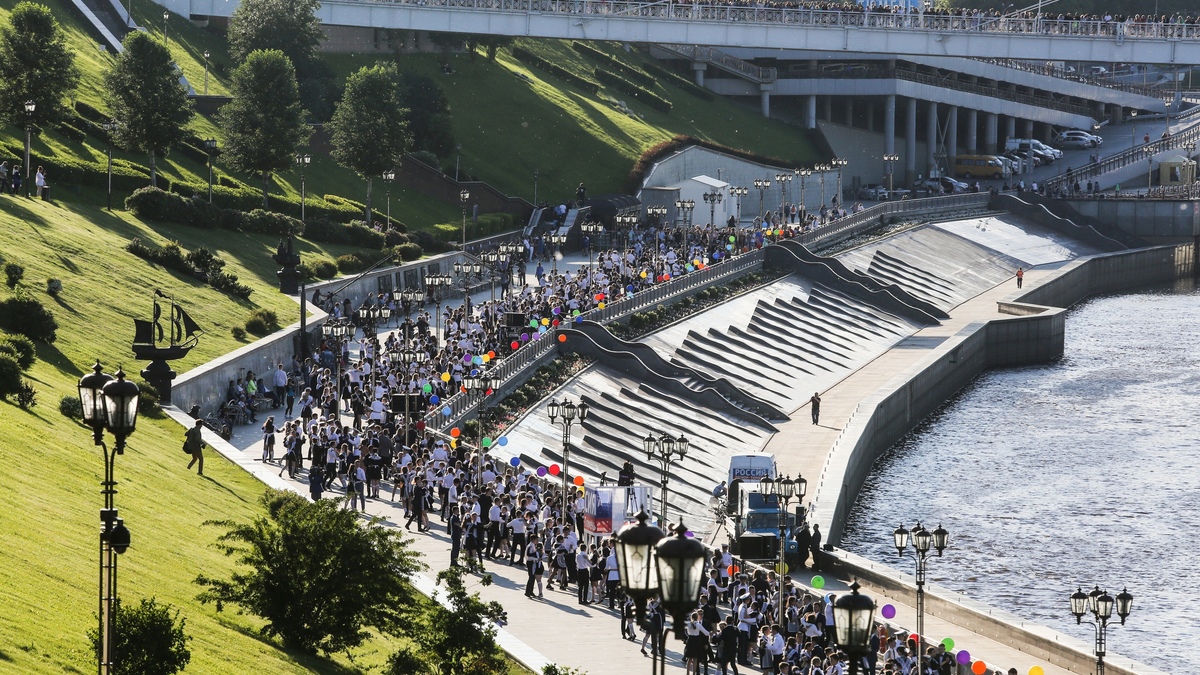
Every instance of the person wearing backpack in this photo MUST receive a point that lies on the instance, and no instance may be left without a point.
(193, 444)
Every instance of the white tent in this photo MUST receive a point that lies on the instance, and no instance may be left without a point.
(695, 189)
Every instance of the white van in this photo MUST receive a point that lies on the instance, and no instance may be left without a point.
(1032, 144)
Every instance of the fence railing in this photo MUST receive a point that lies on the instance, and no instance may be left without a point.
(1138, 153)
(857, 223)
(1050, 70)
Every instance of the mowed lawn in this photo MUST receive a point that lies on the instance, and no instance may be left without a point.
(51, 472)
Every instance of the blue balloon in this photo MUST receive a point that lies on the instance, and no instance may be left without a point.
(579, 319)
(434, 400)
(503, 441)
(478, 360)
(474, 372)
(515, 461)
(447, 411)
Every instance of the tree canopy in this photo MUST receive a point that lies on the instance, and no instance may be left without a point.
(316, 575)
(264, 122)
(369, 128)
(428, 114)
(150, 639)
(291, 26)
(146, 98)
(37, 66)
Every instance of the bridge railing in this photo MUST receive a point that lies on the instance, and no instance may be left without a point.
(1049, 70)
(1124, 158)
(800, 15)
(856, 223)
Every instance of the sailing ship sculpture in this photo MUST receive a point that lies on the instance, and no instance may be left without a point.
(152, 342)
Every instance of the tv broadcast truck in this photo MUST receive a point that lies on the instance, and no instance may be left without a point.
(754, 516)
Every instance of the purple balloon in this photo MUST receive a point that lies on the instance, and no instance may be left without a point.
(467, 358)
(525, 337)
(556, 311)
(515, 461)
(888, 612)
(964, 657)
(541, 471)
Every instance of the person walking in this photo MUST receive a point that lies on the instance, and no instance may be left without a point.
(814, 545)
(454, 526)
(816, 406)
(533, 565)
(803, 541)
(268, 447)
(1020, 276)
(193, 442)
(583, 574)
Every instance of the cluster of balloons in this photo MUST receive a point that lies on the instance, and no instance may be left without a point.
(963, 656)
(542, 471)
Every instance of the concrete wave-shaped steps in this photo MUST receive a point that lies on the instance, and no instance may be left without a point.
(912, 278)
(838, 302)
(715, 359)
(828, 326)
(803, 343)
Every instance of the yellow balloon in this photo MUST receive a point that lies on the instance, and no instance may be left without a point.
(643, 275)
(486, 358)
(1036, 670)
(445, 377)
(545, 322)
(601, 305)
(453, 442)
(781, 568)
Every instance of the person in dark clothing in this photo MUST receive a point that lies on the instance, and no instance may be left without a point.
(815, 545)
(727, 645)
(803, 541)
(417, 506)
(455, 528)
(816, 406)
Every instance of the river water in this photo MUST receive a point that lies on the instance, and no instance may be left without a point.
(1077, 473)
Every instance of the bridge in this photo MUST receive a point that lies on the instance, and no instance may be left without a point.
(722, 25)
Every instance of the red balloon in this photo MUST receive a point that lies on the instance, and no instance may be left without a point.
(554, 470)
(515, 346)
(555, 324)
(455, 432)
(420, 426)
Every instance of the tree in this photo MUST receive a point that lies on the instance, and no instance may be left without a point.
(291, 26)
(150, 639)
(37, 66)
(264, 122)
(318, 577)
(368, 129)
(428, 114)
(461, 638)
(146, 99)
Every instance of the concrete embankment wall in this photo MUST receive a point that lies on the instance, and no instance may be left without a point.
(1034, 334)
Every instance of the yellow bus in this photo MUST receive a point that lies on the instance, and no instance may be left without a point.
(981, 166)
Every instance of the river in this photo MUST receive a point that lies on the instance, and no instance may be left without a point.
(1077, 473)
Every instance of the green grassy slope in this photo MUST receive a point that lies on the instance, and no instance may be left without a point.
(51, 471)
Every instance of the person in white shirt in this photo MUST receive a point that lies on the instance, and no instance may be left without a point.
(583, 572)
(774, 643)
(696, 648)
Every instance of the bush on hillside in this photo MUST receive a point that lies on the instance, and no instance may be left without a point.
(27, 316)
(409, 252)
(13, 273)
(151, 639)
(148, 399)
(532, 59)
(268, 222)
(200, 263)
(325, 230)
(262, 322)
(26, 395)
(321, 268)
(54, 287)
(621, 84)
(20, 348)
(350, 264)
(70, 407)
(238, 333)
(10, 377)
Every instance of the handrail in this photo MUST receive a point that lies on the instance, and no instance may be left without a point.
(723, 60)
(800, 15)
(1124, 158)
(1049, 70)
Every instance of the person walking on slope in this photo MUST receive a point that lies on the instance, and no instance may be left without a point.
(1020, 276)
(816, 406)
(194, 444)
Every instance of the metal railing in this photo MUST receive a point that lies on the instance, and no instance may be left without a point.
(857, 223)
(1123, 159)
(1049, 70)
(725, 61)
(798, 14)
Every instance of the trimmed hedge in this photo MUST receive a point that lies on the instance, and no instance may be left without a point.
(680, 81)
(200, 263)
(633, 182)
(631, 72)
(583, 83)
(617, 82)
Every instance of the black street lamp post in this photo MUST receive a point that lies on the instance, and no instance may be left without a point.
(666, 450)
(478, 388)
(206, 56)
(839, 163)
(803, 174)
(30, 106)
(109, 403)
(166, 40)
(821, 169)
(338, 329)
(922, 540)
(657, 213)
(565, 415)
(389, 177)
(890, 160)
(557, 241)
(1100, 604)
(783, 179)
(210, 146)
(592, 230)
(109, 127)
(761, 184)
(853, 623)
(686, 206)
(784, 489)
(463, 196)
(434, 286)
(739, 192)
(712, 199)
(650, 564)
(302, 162)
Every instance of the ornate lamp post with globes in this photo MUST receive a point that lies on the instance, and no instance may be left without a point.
(922, 540)
(784, 489)
(761, 184)
(565, 415)
(853, 622)
(1100, 605)
(739, 192)
(30, 107)
(302, 162)
(803, 174)
(666, 450)
(109, 402)
(712, 199)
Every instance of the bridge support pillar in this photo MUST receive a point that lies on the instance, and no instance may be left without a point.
(849, 111)
(1027, 128)
(931, 136)
(989, 133)
(828, 108)
(889, 125)
(910, 142)
(764, 95)
(810, 112)
(972, 132)
(1010, 126)
(698, 69)
(951, 139)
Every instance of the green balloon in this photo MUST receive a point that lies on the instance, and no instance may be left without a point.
(948, 643)
(427, 388)
(533, 324)
(818, 582)
(732, 239)
(486, 442)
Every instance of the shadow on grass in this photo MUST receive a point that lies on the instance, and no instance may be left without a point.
(4, 656)
(58, 298)
(311, 662)
(50, 354)
(221, 485)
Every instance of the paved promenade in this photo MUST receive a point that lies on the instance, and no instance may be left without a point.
(556, 629)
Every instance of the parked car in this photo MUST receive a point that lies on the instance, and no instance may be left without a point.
(1074, 143)
(873, 192)
(1082, 135)
(1024, 156)
(944, 184)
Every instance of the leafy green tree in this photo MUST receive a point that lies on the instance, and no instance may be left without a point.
(369, 130)
(428, 114)
(461, 638)
(37, 66)
(146, 99)
(318, 577)
(291, 26)
(150, 639)
(264, 122)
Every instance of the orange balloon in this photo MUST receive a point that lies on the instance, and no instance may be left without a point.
(578, 480)
(455, 432)
(979, 668)
(562, 338)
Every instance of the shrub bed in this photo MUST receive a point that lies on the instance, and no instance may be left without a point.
(631, 72)
(638, 173)
(201, 264)
(26, 316)
(583, 83)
